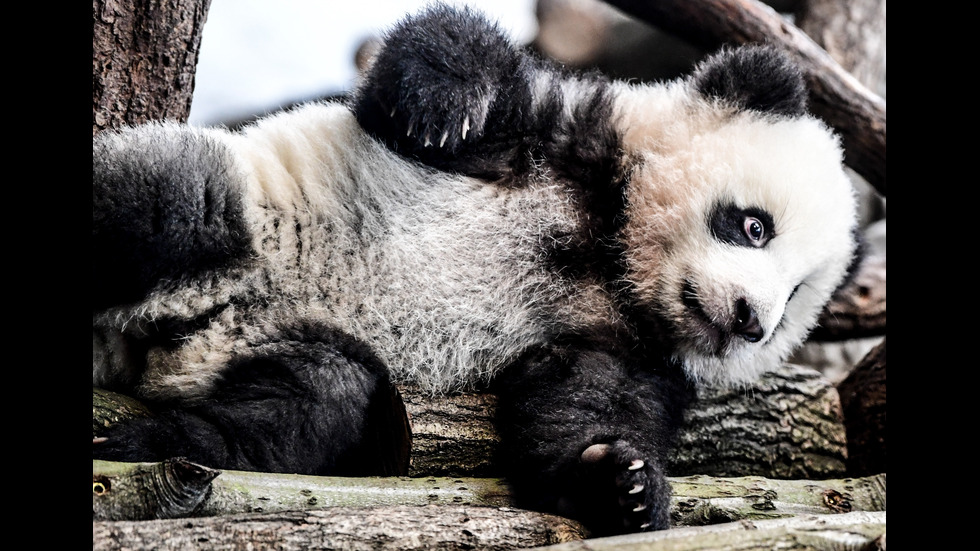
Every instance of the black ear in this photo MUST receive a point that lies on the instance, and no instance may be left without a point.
(758, 78)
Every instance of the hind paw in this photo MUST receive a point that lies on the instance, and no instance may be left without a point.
(636, 483)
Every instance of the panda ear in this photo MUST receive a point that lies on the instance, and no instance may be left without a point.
(758, 78)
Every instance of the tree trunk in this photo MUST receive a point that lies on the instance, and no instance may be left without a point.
(838, 98)
(852, 32)
(144, 54)
(862, 396)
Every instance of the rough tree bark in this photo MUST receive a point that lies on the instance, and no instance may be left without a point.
(852, 32)
(838, 98)
(234, 508)
(407, 527)
(789, 424)
(144, 55)
(862, 396)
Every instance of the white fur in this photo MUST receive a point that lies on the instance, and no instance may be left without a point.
(442, 275)
(684, 165)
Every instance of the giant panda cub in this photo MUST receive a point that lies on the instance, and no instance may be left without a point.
(472, 218)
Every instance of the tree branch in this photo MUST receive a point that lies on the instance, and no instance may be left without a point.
(855, 112)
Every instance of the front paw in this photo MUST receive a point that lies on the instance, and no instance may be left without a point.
(432, 88)
(637, 490)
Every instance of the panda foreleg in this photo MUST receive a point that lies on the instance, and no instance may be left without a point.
(586, 437)
(304, 403)
(448, 88)
(166, 201)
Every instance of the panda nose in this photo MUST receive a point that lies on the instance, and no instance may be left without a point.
(746, 322)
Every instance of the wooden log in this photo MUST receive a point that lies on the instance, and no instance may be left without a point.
(143, 491)
(858, 310)
(406, 527)
(859, 530)
(788, 425)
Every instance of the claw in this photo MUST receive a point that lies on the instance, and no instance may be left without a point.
(466, 126)
(409, 133)
(645, 525)
(443, 140)
(99, 439)
(392, 114)
(637, 488)
(427, 141)
(639, 508)
(636, 464)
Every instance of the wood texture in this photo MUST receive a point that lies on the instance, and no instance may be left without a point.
(144, 54)
(863, 400)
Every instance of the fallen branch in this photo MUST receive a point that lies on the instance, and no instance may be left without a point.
(836, 96)
(427, 527)
(859, 530)
(142, 491)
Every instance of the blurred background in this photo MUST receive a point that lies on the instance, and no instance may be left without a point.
(257, 55)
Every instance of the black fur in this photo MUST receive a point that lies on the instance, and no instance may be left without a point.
(448, 67)
(177, 215)
(727, 220)
(303, 403)
(758, 78)
(559, 400)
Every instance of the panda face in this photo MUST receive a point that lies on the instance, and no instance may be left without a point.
(739, 229)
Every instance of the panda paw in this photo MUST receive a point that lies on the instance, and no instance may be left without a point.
(432, 87)
(638, 486)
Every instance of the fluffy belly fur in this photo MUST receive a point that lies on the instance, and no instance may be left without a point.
(446, 277)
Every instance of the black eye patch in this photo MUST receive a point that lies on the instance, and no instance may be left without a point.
(749, 227)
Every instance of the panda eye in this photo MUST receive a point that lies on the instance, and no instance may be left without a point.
(742, 226)
(753, 229)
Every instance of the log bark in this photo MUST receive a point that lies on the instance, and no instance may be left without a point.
(428, 527)
(836, 96)
(788, 425)
(143, 491)
(144, 58)
(390, 513)
(849, 531)
(862, 396)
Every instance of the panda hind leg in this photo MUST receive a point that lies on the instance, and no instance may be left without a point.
(312, 402)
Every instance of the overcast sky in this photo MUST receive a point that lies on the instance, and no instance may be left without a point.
(258, 54)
